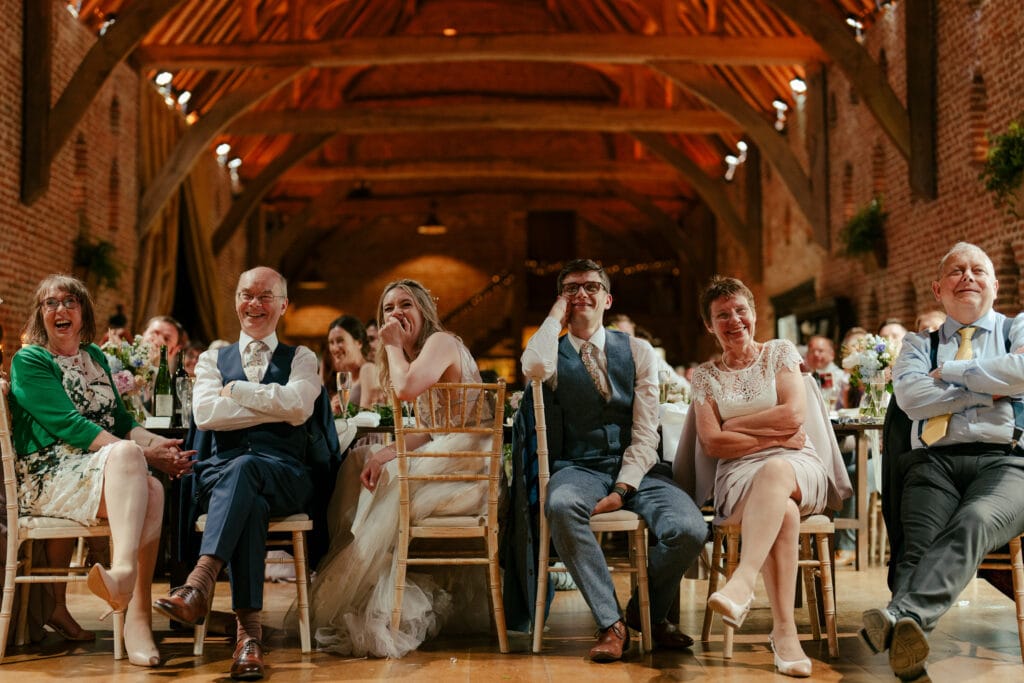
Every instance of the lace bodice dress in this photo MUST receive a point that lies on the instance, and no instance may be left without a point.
(352, 593)
(747, 391)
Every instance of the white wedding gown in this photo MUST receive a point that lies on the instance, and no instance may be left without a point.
(353, 591)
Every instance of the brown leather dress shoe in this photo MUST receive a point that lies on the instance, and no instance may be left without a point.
(186, 604)
(248, 664)
(611, 643)
(664, 634)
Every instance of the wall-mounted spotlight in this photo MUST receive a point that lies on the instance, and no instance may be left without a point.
(780, 113)
(857, 25)
(798, 85)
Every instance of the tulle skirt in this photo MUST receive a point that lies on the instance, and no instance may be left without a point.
(353, 591)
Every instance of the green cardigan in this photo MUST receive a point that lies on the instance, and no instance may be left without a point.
(41, 411)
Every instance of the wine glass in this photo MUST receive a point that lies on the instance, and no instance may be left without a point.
(344, 380)
(183, 388)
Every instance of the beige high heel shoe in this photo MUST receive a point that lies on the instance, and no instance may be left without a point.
(798, 668)
(149, 657)
(732, 614)
(99, 582)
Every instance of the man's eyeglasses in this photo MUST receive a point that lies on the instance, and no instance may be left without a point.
(264, 299)
(573, 288)
(70, 303)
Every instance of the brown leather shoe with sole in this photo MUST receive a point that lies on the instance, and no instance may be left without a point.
(248, 664)
(612, 642)
(186, 604)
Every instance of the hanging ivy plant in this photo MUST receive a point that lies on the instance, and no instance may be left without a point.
(96, 259)
(1004, 168)
(864, 233)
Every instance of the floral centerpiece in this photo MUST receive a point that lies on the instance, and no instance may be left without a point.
(131, 371)
(868, 360)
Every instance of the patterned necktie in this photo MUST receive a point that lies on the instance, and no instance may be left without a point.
(587, 351)
(935, 428)
(255, 361)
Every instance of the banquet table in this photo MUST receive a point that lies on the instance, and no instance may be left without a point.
(859, 523)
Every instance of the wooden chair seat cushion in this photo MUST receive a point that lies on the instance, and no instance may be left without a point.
(300, 521)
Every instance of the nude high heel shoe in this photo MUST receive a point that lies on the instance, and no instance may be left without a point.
(732, 614)
(100, 582)
(148, 656)
(798, 668)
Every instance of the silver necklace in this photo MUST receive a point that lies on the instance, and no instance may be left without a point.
(745, 365)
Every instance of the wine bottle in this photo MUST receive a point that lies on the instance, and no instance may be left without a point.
(163, 395)
(180, 418)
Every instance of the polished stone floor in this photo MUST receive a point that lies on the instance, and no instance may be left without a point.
(976, 641)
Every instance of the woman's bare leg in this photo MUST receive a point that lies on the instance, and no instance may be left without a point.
(780, 573)
(768, 501)
(58, 554)
(138, 624)
(125, 505)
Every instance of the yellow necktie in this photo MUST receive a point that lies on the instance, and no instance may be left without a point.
(936, 426)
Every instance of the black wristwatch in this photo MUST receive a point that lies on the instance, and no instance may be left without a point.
(625, 493)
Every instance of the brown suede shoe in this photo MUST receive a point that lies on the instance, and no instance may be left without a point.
(612, 642)
(186, 604)
(248, 664)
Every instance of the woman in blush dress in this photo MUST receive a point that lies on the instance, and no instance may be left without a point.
(350, 352)
(750, 407)
(353, 592)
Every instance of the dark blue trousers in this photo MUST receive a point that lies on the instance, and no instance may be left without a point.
(239, 495)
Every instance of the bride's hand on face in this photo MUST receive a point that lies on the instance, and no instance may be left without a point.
(395, 332)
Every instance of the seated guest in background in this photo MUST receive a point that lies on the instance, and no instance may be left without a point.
(82, 457)
(353, 592)
(349, 349)
(163, 330)
(255, 397)
(956, 496)
(929, 320)
(894, 331)
(821, 357)
(849, 395)
(373, 337)
(190, 357)
(750, 408)
(675, 384)
(608, 383)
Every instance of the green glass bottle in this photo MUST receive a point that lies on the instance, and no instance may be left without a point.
(163, 395)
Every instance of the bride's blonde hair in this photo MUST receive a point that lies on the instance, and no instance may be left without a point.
(431, 322)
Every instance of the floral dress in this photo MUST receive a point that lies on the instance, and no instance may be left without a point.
(62, 480)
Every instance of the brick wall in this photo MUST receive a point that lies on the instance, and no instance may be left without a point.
(974, 37)
(37, 240)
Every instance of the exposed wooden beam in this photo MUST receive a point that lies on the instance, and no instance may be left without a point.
(200, 136)
(36, 60)
(109, 50)
(611, 48)
(663, 224)
(256, 188)
(497, 116)
(922, 51)
(759, 131)
(711, 191)
(828, 28)
(549, 171)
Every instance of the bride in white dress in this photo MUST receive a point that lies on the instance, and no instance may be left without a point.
(353, 591)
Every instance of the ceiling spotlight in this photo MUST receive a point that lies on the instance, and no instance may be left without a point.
(164, 78)
(780, 113)
(223, 149)
(235, 163)
(798, 85)
(857, 25)
(432, 225)
(448, 31)
(742, 146)
(184, 97)
(780, 105)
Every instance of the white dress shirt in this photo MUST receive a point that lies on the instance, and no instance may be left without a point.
(252, 403)
(540, 360)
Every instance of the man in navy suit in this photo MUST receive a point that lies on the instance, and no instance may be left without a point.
(255, 398)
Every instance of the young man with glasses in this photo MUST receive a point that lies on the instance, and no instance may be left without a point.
(603, 388)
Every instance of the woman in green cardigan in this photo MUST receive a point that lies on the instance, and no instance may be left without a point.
(81, 456)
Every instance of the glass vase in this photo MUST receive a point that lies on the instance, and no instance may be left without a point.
(875, 400)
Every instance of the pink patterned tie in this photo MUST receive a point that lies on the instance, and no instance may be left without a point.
(587, 351)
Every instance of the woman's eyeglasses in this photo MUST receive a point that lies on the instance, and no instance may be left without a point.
(69, 303)
(573, 288)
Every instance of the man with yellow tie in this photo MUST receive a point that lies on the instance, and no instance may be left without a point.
(963, 482)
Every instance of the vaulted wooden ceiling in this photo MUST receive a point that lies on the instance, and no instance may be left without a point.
(621, 108)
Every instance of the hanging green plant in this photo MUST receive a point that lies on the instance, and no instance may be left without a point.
(1004, 168)
(96, 259)
(864, 233)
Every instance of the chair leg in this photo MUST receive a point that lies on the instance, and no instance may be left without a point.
(809, 588)
(828, 595)
(543, 575)
(732, 559)
(199, 638)
(639, 541)
(494, 579)
(7, 606)
(20, 635)
(401, 567)
(1017, 562)
(872, 529)
(713, 572)
(302, 588)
